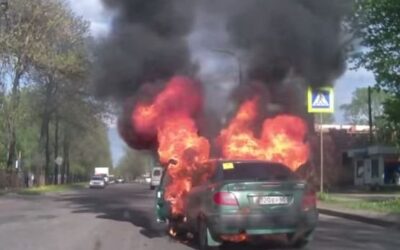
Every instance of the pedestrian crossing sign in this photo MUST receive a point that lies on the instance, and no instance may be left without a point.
(320, 100)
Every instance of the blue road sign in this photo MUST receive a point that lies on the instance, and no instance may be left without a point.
(320, 100)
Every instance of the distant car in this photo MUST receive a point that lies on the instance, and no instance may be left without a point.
(97, 182)
(111, 179)
(141, 180)
(156, 175)
(104, 176)
(120, 180)
(245, 199)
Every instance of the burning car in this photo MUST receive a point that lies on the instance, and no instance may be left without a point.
(225, 200)
(242, 200)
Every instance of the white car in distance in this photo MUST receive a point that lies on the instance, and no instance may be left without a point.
(156, 174)
(97, 182)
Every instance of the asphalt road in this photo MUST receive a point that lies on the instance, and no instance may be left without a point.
(122, 217)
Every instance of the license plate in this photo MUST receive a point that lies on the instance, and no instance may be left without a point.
(273, 200)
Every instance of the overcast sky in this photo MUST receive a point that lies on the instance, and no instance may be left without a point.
(100, 19)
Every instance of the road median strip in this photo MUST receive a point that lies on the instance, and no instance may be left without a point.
(390, 220)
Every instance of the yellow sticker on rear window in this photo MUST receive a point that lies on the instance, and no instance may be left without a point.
(227, 165)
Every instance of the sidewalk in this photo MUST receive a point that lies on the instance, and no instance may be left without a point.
(371, 217)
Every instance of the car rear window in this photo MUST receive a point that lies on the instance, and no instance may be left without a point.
(256, 171)
(97, 178)
(156, 173)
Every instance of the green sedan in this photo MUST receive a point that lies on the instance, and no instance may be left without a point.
(244, 200)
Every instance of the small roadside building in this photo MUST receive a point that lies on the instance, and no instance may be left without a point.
(376, 165)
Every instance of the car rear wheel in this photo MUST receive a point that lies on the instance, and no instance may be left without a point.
(176, 229)
(203, 236)
(300, 242)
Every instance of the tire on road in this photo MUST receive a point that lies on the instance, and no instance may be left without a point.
(202, 236)
(177, 226)
(300, 242)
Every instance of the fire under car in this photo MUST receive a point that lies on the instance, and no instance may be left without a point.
(241, 201)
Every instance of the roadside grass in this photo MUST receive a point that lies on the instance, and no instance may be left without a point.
(323, 196)
(384, 206)
(51, 189)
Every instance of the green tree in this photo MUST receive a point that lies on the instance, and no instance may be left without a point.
(356, 112)
(44, 83)
(39, 39)
(80, 116)
(89, 151)
(62, 71)
(133, 164)
(22, 42)
(387, 132)
(26, 123)
(376, 24)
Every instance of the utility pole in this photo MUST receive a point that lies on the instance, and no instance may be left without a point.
(321, 153)
(371, 136)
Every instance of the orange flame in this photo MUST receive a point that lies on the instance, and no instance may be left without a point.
(172, 232)
(281, 140)
(179, 140)
(180, 96)
(170, 116)
(170, 119)
(235, 238)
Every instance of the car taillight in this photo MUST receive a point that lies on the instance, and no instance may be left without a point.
(225, 199)
(309, 200)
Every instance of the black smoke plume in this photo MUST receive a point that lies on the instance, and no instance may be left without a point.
(280, 36)
(146, 43)
(284, 45)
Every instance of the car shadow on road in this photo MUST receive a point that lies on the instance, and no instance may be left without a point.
(265, 245)
(136, 207)
(121, 205)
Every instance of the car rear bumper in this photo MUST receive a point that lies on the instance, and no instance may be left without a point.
(262, 224)
(96, 186)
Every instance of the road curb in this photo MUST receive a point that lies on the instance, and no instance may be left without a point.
(360, 218)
